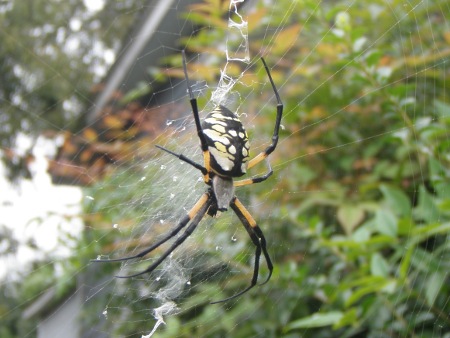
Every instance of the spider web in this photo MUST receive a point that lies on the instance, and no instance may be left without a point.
(174, 278)
(149, 195)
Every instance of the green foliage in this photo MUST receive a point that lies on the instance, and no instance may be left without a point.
(360, 201)
(48, 64)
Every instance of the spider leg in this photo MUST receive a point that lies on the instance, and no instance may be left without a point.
(276, 130)
(196, 215)
(256, 179)
(174, 231)
(201, 135)
(185, 159)
(250, 224)
(258, 239)
(193, 213)
(189, 230)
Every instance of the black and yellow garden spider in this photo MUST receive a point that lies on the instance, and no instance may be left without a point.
(225, 148)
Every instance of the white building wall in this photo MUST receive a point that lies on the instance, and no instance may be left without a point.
(64, 322)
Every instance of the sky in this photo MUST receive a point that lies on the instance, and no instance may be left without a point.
(37, 210)
(94, 5)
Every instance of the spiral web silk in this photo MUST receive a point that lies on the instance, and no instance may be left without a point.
(175, 269)
(179, 186)
(168, 187)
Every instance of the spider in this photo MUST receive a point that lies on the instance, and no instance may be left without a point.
(225, 146)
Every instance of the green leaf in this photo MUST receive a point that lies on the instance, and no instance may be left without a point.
(397, 200)
(430, 230)
(350, 216)
(434, 285)
(373, 57)
(316, 320)
(386, 222)
(361, 234)
(437, 170)
(303, 174)
(425, 262)
(405, 226)
(378, 265)
(405, 263)
(442, 108)
(141, 89)
(401, 90)
(426, 209)
(443, 191)
(363, 291)
(350, 317)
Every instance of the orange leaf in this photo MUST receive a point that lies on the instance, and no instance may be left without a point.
(254, 19)
(90, 134)
(111, 121)
(286, 38)
(447, 37)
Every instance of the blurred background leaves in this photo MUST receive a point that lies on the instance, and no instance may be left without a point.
(357, 214)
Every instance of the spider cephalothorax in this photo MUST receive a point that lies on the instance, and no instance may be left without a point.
(225, 147)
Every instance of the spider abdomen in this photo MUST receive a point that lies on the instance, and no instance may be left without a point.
(227, 142)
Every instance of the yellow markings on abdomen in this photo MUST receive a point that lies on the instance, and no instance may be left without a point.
(227, 142)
